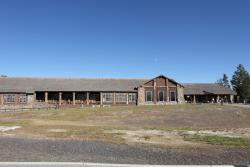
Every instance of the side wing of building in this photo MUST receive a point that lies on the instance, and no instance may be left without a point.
(208, 93)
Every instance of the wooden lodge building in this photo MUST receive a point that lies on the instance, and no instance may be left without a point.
(72, 92)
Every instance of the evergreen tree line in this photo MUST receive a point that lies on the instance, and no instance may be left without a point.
(240, 83)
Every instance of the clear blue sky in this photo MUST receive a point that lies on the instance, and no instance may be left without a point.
(188, 40)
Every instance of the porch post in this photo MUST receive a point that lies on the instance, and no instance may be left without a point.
(46, 97)
(87, 98)
(232, 98)
(194, 100)
(101, 98)
(155, 93)
(217, 99)
(1, 99)
(126, 98)
(167, 93)
(176, 94)
(114, 98)
(34, 97)
(74, 98)
(60, 98)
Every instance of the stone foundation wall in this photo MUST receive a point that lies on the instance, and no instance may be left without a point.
(141, 96)
(180, 94)
(180, 97)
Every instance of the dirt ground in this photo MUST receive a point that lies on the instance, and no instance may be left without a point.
(165, 126)
(173, 134)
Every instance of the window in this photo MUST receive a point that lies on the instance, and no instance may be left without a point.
(107, 97)
(10, 98)
(121, 97)
(23, 99)
(132, 97)
(172, 96)
(148, 95)
(160, 95)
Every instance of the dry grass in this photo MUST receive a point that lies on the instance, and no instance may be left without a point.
(94, 123)
(219, 140)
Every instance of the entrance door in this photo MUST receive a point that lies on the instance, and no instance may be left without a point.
(161, 95)
(172, 96)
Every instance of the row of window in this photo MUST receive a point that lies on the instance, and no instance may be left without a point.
(11, 98)
(122, 97)
(106, 97)
(160, 96)
(119, 97)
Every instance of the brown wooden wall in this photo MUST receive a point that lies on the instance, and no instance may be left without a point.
(17, 100)
(150, 83)
(160, 83)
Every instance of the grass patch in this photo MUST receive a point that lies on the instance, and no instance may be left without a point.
(247, 112)
(14, 123)
(97, 133)
(219, 140)
(146, 137)
(8, 123)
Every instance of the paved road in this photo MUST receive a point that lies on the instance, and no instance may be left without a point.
(42, 164)
(71, 164)
(79, 164)
(32, 150)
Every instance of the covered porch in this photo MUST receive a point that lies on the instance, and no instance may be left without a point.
(208, 98)
(69, 98)
(86, 98)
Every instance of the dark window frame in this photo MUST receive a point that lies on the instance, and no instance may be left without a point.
(163, 95)
(9, 98)
(121, 97)
(108, 96)
(23, 99)
(132, 97)
(151, 95)
(172, 96)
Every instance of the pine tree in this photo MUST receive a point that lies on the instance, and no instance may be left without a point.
(219, 81)
(246, 88)
(241, 83)
(224, 81)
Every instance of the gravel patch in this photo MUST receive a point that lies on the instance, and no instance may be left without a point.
(226, 133)
(20, 149)
(156, 137)
(8, 128)
(57, 130)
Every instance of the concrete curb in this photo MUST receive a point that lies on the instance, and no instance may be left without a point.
(141, 165)
(120, 165)
(87, 164)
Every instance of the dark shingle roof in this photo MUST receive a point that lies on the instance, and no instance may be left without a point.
(68, 84)
(30, 85)
(208, 88)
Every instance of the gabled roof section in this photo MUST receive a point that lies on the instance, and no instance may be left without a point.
(28, 85)
(163, 76)
(207, 88)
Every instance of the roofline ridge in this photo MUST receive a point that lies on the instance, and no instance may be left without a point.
(199, 83)
(73, 78)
